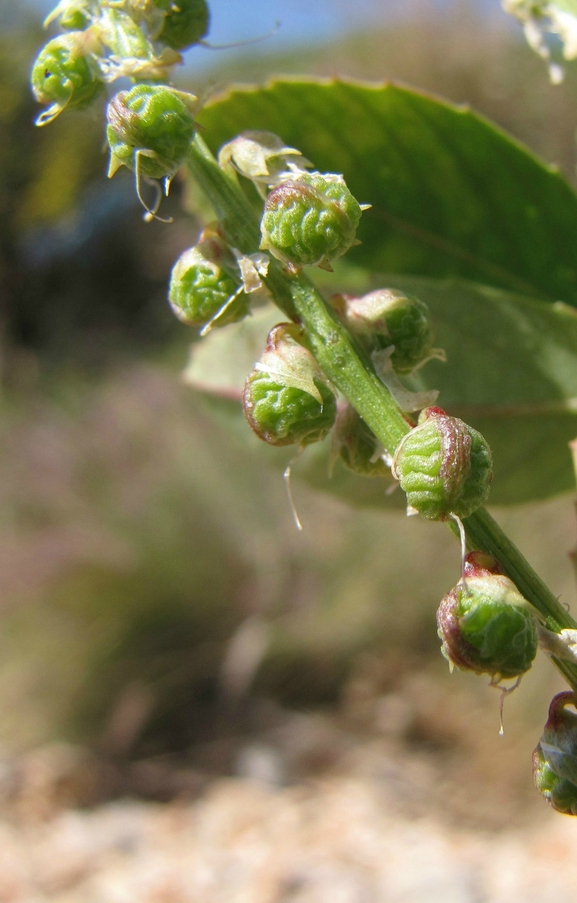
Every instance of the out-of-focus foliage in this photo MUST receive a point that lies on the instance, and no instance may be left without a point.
(144, 553)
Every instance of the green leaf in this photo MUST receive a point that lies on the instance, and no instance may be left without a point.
(511, 373)
(451, 194)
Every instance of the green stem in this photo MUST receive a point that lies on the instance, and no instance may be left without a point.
(350, 369)
(485, 534)
(228, 200)
(344, 362)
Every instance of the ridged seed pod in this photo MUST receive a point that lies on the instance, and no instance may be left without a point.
(388, 317)
(186, 22)
(286, 399)
(555, 758)
(485, 623)
(444, 466)
(200, 287)
(156, 121)
(357, 446)
(65, 75)
(310, 221)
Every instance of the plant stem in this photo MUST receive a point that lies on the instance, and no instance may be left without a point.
(350, 369)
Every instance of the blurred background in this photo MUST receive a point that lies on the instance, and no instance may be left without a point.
(162, 623)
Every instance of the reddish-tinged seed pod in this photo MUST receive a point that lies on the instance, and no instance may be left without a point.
(444, 466)
(555, 758)
(485, 623)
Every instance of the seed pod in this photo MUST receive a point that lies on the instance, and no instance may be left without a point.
(310, 221)
(387, 317)
(200, 288)
(186, 22)
(150, 128)
(444, 466)
(357, 446)
(485, 623)
(286, 398)
(65, 75)
(555, 758)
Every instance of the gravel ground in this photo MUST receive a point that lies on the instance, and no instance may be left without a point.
(378, 827)
(336, 840)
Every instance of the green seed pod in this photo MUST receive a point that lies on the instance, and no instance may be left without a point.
(387, 317)
(310, 221)
(150, 129)
(201, 292)
(65, 75)
(74, 20)
(444, 466)
(186, 22)
(555, 758)
(286, 398)
(485, 623)
(357, 446)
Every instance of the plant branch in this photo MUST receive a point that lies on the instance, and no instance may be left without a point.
(350, 369)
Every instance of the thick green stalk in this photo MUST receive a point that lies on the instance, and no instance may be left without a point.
(349, 368)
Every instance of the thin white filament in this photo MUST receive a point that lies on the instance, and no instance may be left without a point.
(257, 40)
(287, 479)
(151, 212)
(463, 538)
(206, 329)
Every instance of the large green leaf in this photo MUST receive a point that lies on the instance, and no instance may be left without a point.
(511, 372)
(451, 194)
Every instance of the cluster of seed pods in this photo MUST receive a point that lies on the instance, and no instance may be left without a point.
(103, 41)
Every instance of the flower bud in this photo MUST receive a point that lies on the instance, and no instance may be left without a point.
(357, 446)
(286, 397)
(310, 221)
(264, 158)
(485, 623)
(386, 318)
(65, 75)
(555, 758)
(150, 129)
(444, 466)
(200, 288)
(185, 23)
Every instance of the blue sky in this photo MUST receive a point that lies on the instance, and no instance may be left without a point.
(300, 20)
